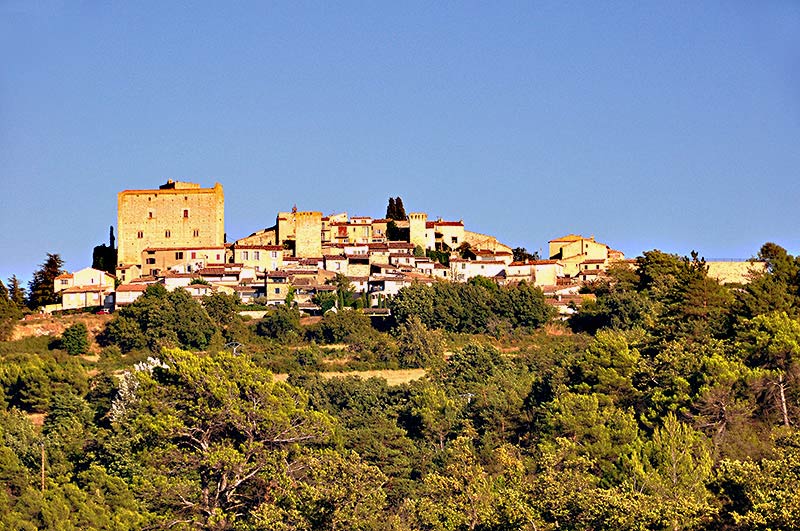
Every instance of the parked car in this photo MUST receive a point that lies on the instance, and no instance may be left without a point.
(103, 311)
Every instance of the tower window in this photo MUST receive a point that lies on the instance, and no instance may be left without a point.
(185, 212)
(196, 233)
(140, 234)
(167, 234)
(179, 255)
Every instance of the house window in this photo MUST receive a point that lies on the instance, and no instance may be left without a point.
(150, 261)
(217, 257)
(194, 255)
(140, 234)
(274, 254)
(179, 255)
(64, 281)
(454, 239)
(256, 255)
(244, 255)
(167, 234)
(150, 214)
(277, 291)
(196, 233)
(185, 212)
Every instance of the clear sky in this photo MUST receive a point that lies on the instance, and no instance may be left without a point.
(670, 125)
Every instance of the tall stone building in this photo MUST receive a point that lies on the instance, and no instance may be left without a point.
(178, 214)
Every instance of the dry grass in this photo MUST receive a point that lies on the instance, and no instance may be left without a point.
(392, 377)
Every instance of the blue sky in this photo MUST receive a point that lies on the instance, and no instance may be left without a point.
(669, 125)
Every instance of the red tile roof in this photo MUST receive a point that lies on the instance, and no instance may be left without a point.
(132, 287)
(449, 223)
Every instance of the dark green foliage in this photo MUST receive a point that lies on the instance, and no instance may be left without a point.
(16, 293)
(75, 339)
(10, 313)
(418, 346)
(40, 288)
(471, 307)
(521, 254)
(349, 326)
(221, 308)
(396, 211)
(438, 256)
(281, 323)
(325, 300)
(161, 318)
(104, 258)
(395, 233)
(678, 410)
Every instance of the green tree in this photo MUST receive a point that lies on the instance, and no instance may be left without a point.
(521, 254)
(325, 300)
(221, 308)
(764, 494)
(772, 342)
(209, 434)
(75, 339)
(675, 467)
(418, 346)
(161, 318)
(40, 288)
(16, 293)
(281, 323)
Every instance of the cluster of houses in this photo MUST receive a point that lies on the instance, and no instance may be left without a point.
(270, 275)
(174, 235)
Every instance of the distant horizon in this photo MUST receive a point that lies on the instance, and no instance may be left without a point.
(669, 126)
(542, 249)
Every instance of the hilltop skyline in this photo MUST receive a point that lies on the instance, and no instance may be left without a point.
(672, 127)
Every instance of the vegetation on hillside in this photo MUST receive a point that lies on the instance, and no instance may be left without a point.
(667, 402)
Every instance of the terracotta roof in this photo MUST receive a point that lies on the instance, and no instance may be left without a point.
(568, 238)
(65, 275)
(544, 262)
(212, 271)
(87, 289)
(172, 274)
(429, 224)
(448, 223)
(260, 247)
(131, 287)
(594, 261)
(195, 248)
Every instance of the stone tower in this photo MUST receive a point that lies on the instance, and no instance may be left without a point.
(178, 214)
(308, 234)
(416, 228)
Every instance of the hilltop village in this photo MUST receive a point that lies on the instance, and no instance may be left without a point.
(175, 235)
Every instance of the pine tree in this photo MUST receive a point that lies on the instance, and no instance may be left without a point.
(40, 288)
(16, 292)
(391, 210)
(400, 210)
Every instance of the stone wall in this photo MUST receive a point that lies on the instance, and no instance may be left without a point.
(170, 217)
